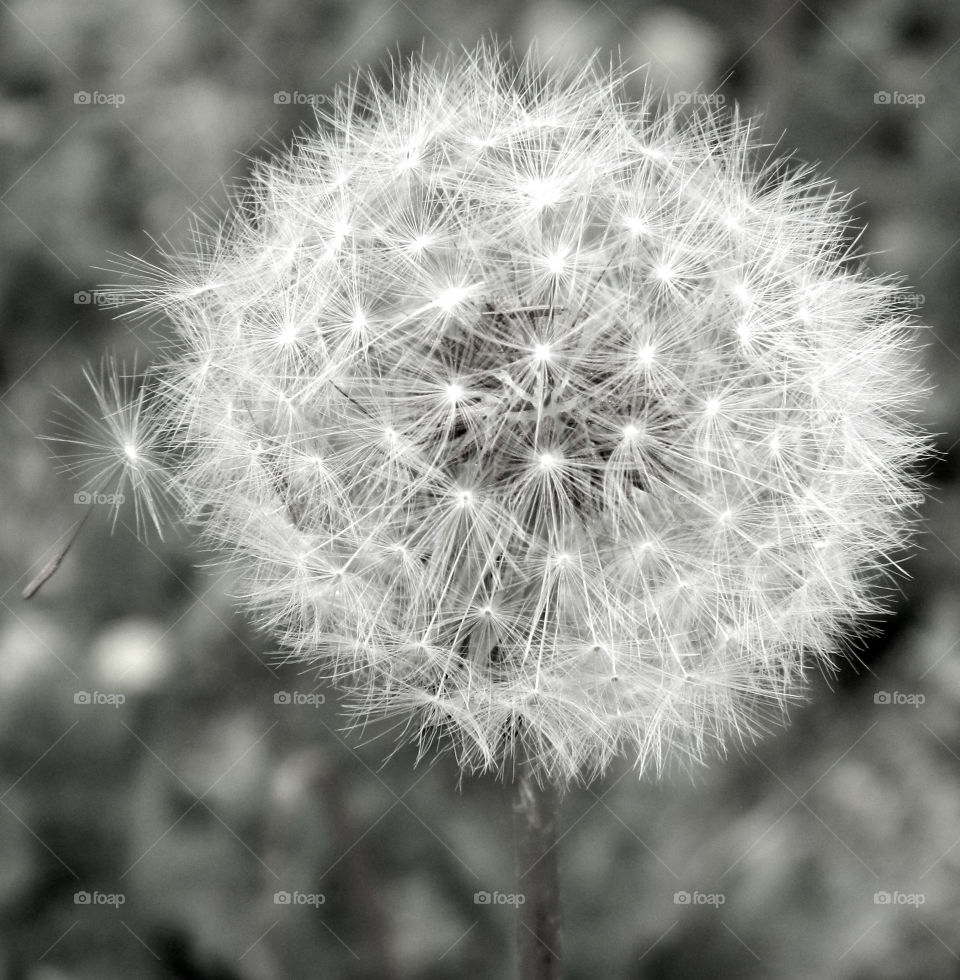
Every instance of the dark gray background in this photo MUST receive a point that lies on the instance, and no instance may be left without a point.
(200, 798)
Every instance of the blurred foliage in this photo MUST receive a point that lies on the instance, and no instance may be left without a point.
(200, 798)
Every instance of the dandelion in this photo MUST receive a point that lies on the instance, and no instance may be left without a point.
(533, 416)
(558, 426)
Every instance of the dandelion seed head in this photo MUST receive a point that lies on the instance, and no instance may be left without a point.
(528, 414)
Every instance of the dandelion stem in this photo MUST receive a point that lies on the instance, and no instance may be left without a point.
(536, 810)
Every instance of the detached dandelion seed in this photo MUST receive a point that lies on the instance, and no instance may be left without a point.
(115, 452)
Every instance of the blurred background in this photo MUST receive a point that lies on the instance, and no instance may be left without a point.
(172, 805)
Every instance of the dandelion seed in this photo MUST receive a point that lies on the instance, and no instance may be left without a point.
(646, 355)
(451, 297)
(543, 192)
(115, 453)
